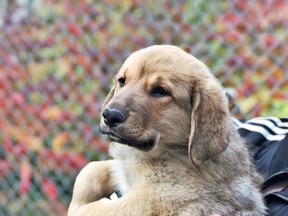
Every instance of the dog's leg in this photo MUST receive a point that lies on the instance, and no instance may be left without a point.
(139, 201)
(253, 213)
(92, 183)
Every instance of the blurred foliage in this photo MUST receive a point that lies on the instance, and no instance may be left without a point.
(58, 58)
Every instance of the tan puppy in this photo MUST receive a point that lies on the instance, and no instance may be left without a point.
(174, 147)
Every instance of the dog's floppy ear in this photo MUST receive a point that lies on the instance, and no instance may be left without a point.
(108, 98)
(209, 121)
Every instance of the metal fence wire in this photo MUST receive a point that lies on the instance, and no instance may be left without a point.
(58, 58)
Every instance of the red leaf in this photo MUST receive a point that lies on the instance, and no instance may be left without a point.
(280, 96)
(233, 36)
(3, 102)
(18, 98)
(5, 168)
(102, 145)
(20, 150)
(75, 161)
(269, 40)
(25, 177)
(7, 144)
(141, 41)
(256, 111)
(72, 161)
(231, 18)
(4, 84)
(50, 189)
(74, 29)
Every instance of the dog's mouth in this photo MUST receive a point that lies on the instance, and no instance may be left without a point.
(113, 137)
(143, 145)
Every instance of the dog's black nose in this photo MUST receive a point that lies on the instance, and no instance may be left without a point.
(113, 117)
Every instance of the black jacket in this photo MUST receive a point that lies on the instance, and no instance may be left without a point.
(268, 141)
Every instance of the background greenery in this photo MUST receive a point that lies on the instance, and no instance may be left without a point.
(58, 58)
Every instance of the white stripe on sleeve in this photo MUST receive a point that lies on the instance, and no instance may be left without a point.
(258, 129)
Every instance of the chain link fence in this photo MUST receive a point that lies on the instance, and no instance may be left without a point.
(58, 58)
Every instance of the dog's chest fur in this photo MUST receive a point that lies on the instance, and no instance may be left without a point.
(125, 171)
(124, 174)
(131, 168)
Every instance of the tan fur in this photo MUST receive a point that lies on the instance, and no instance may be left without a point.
(179, 153)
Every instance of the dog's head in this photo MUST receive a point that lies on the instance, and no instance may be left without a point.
(165, 97)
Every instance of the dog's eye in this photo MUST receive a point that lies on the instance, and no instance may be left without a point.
(121, 81)
(159, 92)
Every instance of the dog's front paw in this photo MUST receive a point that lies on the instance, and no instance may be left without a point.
(92, 183)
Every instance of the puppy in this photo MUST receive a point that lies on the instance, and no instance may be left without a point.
(175, 149)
